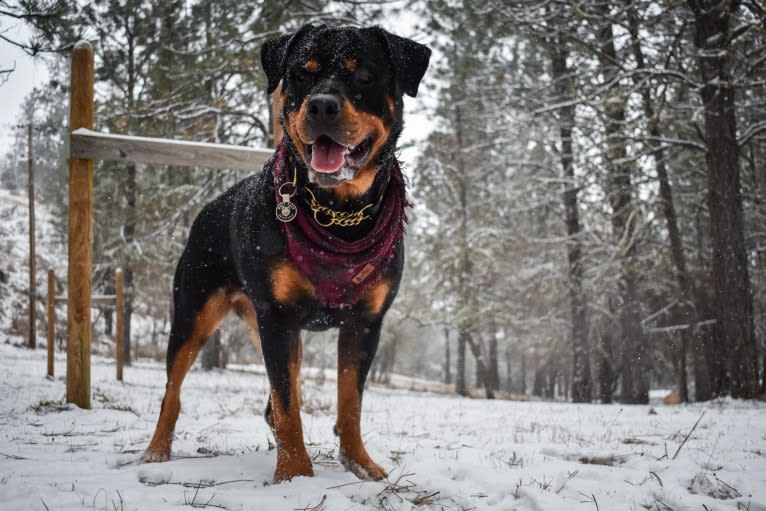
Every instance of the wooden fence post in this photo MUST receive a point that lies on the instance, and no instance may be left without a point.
(119, 311)
(79, 278)
(51, 320)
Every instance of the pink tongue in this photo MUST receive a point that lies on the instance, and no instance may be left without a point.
(326, 155)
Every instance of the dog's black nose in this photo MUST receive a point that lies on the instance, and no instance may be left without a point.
(324, 108)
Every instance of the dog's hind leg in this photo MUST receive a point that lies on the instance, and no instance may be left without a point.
(192, 326)
(246, 312)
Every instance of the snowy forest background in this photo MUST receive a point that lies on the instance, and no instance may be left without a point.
(589, 215)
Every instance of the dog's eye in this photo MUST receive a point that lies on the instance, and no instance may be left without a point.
(303, 76)
(363, 77)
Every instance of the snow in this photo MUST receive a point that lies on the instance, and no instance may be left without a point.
(81, 44)
(442, 451)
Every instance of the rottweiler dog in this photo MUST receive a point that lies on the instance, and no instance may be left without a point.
(313, 241)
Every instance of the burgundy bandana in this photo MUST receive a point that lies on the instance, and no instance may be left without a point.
(341, 271)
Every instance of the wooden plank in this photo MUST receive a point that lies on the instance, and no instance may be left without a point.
(102, 299)
(94, 299)
(104, 146)
(51, 319)
(119, 312)
(79, 277)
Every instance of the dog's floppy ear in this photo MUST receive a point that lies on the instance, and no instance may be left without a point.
(410, 60)
(274, 53)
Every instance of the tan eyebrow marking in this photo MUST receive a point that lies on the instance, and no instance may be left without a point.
(312, 66)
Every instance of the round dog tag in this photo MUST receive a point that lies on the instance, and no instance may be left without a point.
(286, 210)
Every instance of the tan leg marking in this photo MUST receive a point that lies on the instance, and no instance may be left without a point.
(353, 455)
(292, 458)
(376, 296)
(288, 284)
(207, 322)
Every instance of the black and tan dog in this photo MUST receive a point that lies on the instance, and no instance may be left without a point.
(314, 241)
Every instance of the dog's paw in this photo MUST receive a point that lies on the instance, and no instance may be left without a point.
(294, 466)
(283, 474)
(364, 469)
(154, 456)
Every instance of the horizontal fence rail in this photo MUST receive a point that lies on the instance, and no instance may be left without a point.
(92, 145)
(94, 299)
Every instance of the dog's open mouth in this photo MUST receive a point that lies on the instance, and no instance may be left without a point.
(328, 156)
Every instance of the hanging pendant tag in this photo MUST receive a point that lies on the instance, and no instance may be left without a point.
(286, 210)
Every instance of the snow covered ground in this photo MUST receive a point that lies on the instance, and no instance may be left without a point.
(443, 452)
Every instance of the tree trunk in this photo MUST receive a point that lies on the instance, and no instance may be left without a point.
(706, 369)
(391, 356)
(581, 377)
(465, 296)
(635, 368)
(130, 197)
(129, 232)
(447, 363)
(538, 386)
(478, 371)
(635, 363)
(688, 306)
(763, 378)
(564, 384)
(731, 282)
(494, 371)
(550, 383)
(523, 375)
(482, 373)
(211, 352)
(703, 388)
(607, 376)
(32, 246)
(714, 351)
(460, 387)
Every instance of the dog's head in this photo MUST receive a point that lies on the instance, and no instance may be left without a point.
(342, 93)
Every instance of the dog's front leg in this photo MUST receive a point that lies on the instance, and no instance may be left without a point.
(357, 344)
(282, 353)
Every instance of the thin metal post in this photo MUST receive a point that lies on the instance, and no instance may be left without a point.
(51, 320)
(119, 311)
(32, 266)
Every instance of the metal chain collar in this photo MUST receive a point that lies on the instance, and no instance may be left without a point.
(339, 218)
